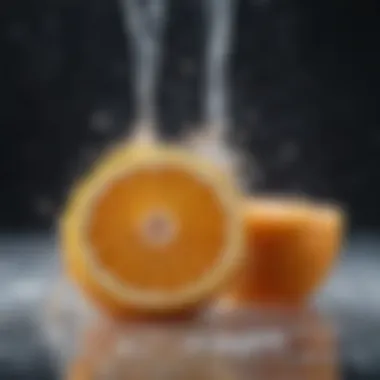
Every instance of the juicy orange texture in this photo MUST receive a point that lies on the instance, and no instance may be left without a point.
(152, 229)
(116, 229)
(291, 246)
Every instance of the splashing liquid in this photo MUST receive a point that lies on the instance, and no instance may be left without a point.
(212, 138)
(144, 24)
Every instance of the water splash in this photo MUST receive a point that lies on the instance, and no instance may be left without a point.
(219, 15)
(144, 22)
(212, 139)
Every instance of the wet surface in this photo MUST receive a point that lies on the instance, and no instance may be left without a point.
(29, 268)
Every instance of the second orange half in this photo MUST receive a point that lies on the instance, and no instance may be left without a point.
(291, 245)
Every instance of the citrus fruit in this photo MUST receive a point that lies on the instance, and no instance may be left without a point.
(152, 229)
(293, 244)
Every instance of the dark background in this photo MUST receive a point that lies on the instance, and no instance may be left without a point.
(305, 88)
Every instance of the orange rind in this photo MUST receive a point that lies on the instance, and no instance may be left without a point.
(152, 229)
(292, 245)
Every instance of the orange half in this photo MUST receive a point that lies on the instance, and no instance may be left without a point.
(291, 247)
(152, 228)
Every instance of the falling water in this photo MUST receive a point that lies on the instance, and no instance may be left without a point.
(219, 16)
(144, 22)
(212, 139)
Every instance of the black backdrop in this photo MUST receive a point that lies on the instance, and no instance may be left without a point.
(305, 87)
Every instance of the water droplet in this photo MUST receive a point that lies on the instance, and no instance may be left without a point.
(44, 206)
(101, 121)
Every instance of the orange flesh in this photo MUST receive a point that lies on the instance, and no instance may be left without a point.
(291, 248)
(124, 215)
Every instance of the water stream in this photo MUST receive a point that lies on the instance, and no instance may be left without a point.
(144, 22)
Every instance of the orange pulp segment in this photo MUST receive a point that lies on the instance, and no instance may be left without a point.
(152, 229)
(291, 246)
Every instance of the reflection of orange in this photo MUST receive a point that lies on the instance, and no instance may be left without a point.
(112, 351)
(94, 351)
(308, 351)
(292, 245)
(152, 229)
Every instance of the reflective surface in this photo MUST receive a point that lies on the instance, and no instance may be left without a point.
(46, 331)
(220, 346)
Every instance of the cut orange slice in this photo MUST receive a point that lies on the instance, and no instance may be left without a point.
(293, 244)
(152, 229)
